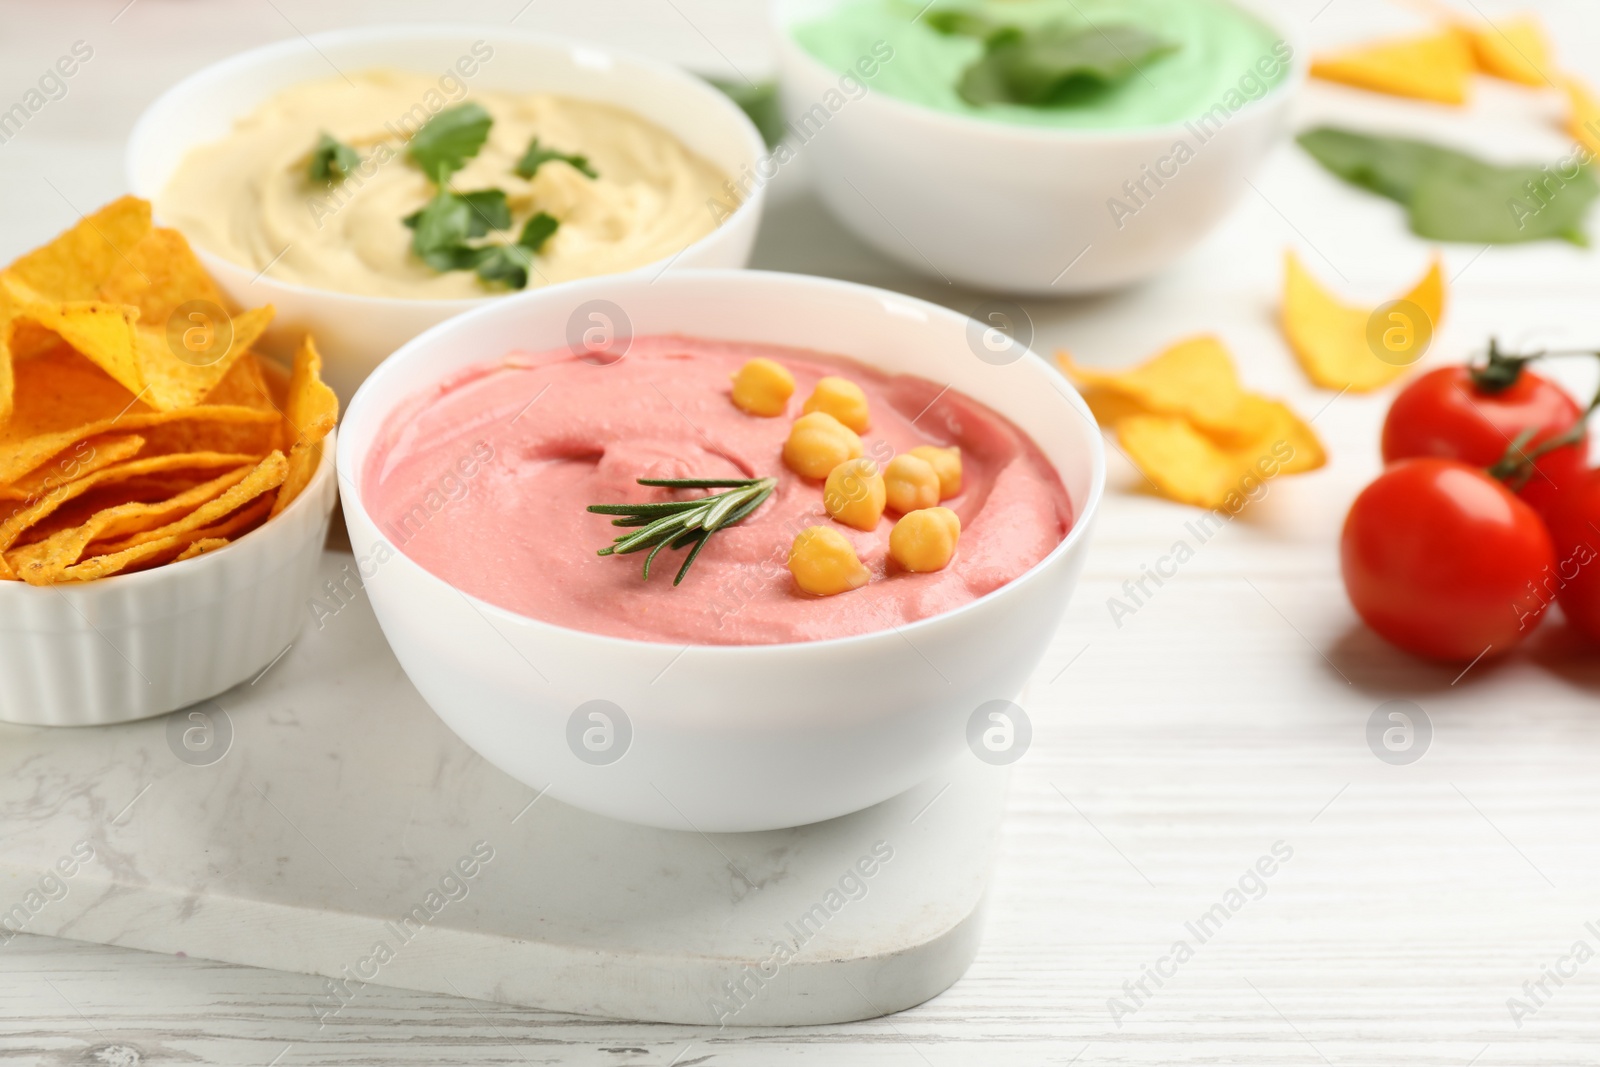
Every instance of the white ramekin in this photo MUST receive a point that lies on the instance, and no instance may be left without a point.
(136, 645)
(727, 738)
(355, 332)
(1013, 208)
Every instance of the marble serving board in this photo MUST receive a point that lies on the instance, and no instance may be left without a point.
(321, 819)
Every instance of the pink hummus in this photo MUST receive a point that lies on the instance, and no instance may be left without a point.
(484, 479)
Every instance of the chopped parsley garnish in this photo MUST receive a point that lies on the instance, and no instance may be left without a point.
(445, 142)
(537, 155)
(332, 159)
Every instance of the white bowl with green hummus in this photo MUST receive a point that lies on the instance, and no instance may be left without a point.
(293, 171)
(1045, 147)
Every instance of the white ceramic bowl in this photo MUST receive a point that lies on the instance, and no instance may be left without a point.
(136, 645)
(1015, 208)
(356, 332)
(727, 738)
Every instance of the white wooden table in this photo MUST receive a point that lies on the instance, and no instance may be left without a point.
(1226, 715)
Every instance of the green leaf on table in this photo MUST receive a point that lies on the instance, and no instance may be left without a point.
(1057, 65)
(759, 100)
(1452, 196)
(537, 155)
(332, 159)
(449, 139)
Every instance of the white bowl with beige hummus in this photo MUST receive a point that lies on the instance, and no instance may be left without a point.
(637, 176)
(735, 700)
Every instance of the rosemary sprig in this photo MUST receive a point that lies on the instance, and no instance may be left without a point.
(677, 523)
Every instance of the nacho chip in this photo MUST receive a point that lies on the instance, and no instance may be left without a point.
(200, 547)
(1341, 346)
(1515, 49)
(1435, 66)
(1583, 115)
(1191, 468)
(132, 329)
(72, 266)
(310, 414)
(1200, 437)
(28, 514)
(165, 432)
(84, 458)
(1193, 379)
(47, 567)
(125, 524)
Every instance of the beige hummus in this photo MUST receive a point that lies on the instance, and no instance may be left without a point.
(247, 197)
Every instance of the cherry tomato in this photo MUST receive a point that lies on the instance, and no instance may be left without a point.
(1443, 560)
(1574, 520)
(1445, 414)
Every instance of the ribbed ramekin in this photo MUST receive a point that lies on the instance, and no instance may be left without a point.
(136, 645)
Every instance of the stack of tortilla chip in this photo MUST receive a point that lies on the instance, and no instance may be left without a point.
(137, 427)
(1195, 432)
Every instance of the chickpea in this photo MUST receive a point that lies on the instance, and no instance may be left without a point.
(925, 540)
(911, 483)
(762, 387)
(843, 399)
(817, 443)
(946, 464)
(854, 493)
(823, 562)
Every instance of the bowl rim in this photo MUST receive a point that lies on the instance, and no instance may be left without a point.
(937, 121)
(275, 52)
(1083, 518)
(326, 469)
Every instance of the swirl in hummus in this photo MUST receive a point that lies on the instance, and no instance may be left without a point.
(247, 196)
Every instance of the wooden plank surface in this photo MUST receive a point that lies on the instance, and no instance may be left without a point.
(1172, 752)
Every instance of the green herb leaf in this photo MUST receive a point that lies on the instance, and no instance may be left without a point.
(760, 102)
(449, 139)
(536, 156)
(537, 230)
(953, 22)
(488, 208)
(440, 231)
(1057, 65)
(489, 211)
(1452, 196)
(679, 523)
(332, 159)
(509, 264)
(504, 264)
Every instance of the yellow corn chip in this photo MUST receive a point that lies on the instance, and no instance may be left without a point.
(1583, 115)
(1435, 66)
(199, 548)
(1196, 433)
(31, 512)
(310, 414)
(120, 522)
(266, 476)
(132, 332)
(1191, 468)
(1514, 49)
(1362, 349)
(72, 266)
(192, 426)
(1193, 379)
(84, 458)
